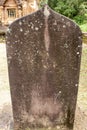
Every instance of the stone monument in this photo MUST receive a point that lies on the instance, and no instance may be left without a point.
(44, 53)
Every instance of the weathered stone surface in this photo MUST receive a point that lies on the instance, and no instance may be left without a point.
(44, 52)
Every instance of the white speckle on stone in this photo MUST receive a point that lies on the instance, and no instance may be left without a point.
(36, 21)
(15, 53)
(20, 23)
(32, 27)
(76, 85)
(8, 30)
(23, 20)
(68, 23)
(58, 127)
(8, 42)
(78, 53)
(66, 46)
(32, 60)
(25, 33)
(16, 50)
(16, 36)
(41, 24)
(9, 57)
(37, 51)
(21, 30)
(55, 23)
(20, 61)
(46, 11)
(16, 41)
(36, 28)
(54, 65)
(62, 19)
(79, 45)
(60, 92)
(79, 37)
(29, 25)
(47, 54)
(45, 66)
(64, 26)
(25, 53)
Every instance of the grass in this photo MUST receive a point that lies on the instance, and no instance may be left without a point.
(4, 85)
(2, 38)
(85, 39)
(83, 27)
(82, 95)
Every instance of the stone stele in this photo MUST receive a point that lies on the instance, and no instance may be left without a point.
(44, 53)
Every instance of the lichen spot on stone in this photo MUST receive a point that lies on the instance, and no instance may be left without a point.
(46, 11)
(21, 30)
(66, 46)
(9, 30)
(20, 23)
(36, 28)
(62, 19)
(79, 37)
(76, 85)
(78, 53)
(55, 23)
(60, 92)
(58, 127)
(79, 46)
(68, 23)
(64, 26)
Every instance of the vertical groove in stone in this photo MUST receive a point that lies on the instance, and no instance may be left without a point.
(46, 32)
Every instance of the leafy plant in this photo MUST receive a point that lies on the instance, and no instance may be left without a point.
(43, 2)
(74, 9)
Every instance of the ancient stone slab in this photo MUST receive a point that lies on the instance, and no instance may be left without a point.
(44, 52)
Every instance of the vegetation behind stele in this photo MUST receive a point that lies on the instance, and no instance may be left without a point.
(74, 9)
(2, 38)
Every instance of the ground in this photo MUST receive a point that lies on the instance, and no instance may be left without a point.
(6, 121)
(5, 100)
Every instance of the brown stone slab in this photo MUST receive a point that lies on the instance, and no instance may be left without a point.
(44, 52)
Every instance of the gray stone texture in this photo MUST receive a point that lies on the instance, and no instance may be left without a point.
(44, 53)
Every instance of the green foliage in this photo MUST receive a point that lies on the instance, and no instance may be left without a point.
(74, 9)
(84, 28)
(79, 19)
(43, 2)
